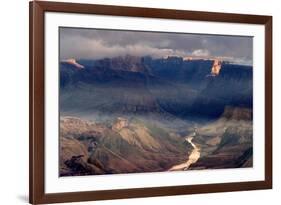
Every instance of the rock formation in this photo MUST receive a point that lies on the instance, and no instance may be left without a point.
(120, 123)
(216, 68)
(72, 61)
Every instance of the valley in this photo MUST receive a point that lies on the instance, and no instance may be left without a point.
(140, 114)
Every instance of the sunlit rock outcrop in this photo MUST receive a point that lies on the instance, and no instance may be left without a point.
(72, 61)
(216, 67)
(120, 123)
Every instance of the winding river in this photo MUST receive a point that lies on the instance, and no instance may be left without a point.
(192, 158)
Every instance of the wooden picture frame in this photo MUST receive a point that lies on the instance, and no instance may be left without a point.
(37, 10)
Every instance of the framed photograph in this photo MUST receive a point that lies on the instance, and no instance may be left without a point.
(139, 102)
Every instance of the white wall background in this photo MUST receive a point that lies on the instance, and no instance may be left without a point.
(14, 100)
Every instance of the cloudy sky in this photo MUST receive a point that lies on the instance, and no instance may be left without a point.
(95, 44)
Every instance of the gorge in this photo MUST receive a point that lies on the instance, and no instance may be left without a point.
(133, 114)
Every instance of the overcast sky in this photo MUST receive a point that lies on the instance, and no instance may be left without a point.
(95, 44)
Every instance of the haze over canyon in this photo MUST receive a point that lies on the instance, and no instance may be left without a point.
(133, 114)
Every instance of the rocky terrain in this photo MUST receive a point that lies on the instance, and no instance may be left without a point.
(131, 146)
(137, 114)
(122, 147)
(227, 142)
(141, 85)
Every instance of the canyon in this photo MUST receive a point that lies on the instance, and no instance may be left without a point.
(133, 114)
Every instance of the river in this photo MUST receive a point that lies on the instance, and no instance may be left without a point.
(192, 158)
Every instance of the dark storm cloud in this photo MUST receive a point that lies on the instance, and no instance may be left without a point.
(94, 44)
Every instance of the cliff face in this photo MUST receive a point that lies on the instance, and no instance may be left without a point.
(226, 142)
(140, 86)
(73, 62)
(75, 127)
(236, 113)
(120, 123)
(123, 63)
(216, 68)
